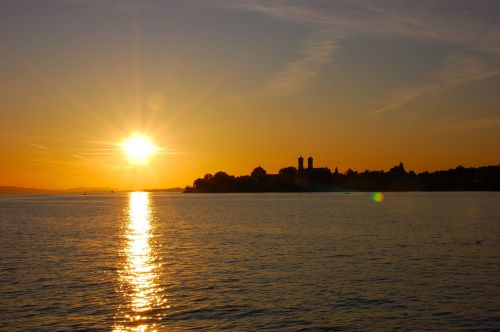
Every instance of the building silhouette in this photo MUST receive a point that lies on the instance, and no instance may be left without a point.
(310, 179)
(310, 171)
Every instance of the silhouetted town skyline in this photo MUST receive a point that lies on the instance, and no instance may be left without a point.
(311, 179)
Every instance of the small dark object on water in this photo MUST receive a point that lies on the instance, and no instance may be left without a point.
(479, 241)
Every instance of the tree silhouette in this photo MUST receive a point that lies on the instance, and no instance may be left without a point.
(288, 171)
(321, 179)
(258, 174)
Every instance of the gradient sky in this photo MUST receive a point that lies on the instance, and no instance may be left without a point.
(231, 85)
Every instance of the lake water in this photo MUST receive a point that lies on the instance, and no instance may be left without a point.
(250, 262)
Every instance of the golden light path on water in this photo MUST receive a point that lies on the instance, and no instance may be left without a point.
(138, 277)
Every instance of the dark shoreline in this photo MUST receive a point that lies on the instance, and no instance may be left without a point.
(397, 179)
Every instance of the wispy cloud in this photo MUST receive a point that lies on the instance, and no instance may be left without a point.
(313, 53)
(454, 22)
(37, 146)
(468, 125)
(458, 69)
(402, 96)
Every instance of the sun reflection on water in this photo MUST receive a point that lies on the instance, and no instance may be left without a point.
(138, 277)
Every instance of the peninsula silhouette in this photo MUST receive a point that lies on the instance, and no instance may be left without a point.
(311, 179)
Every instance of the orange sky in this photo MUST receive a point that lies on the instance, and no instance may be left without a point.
(230, 88)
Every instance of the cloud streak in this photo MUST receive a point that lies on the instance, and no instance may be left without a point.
(313, 53)
(454, 22)
(458, 69)
(37, 146)
(468, 125)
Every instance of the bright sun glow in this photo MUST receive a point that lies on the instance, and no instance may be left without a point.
(139, 148)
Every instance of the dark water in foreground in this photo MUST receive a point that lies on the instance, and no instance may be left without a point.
(289, 262)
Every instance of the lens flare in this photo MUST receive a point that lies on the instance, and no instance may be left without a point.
(377, 197)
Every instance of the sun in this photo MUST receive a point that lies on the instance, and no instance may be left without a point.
(138, 148)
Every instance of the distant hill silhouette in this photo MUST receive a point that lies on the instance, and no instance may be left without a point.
(11, 190)
(310, 179)
(165, 190)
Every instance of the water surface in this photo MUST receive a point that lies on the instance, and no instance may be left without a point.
(247, 262)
